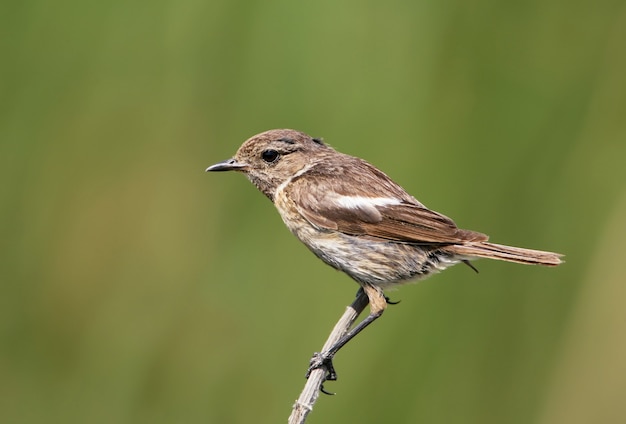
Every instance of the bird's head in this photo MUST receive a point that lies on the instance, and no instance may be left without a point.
(273, 157)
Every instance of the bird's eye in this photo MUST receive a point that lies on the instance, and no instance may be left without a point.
(269, 156)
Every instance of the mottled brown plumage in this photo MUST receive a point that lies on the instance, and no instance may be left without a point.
(358, 220)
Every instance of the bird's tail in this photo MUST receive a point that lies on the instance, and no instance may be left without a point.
(507, 253)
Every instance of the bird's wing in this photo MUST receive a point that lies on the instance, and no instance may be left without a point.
(390, 214)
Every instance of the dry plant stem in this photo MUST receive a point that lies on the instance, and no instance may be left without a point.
(311, 390)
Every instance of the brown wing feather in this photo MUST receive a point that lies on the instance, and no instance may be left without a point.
(408, 222)
(416, 224)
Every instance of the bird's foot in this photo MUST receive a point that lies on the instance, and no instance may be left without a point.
(323, 360)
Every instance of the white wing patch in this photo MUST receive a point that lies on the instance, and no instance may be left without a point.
(362, 202)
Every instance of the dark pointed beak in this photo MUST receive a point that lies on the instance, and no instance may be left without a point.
(227, 165)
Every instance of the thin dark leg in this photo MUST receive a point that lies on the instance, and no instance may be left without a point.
(351, 334)
(378, 302)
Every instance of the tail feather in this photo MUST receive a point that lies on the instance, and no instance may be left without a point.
(507, 253)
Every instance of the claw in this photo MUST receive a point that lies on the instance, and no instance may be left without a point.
(325, 392)
(332, 374)
(390, 302)
(315, 363)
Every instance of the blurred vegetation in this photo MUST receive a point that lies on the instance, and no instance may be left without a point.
(135, 288)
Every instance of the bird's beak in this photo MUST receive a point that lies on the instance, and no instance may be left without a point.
(226, 165)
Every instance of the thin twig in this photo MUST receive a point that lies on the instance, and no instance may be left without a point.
(311, 390)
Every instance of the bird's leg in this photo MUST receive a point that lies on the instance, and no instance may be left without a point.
(378, 303)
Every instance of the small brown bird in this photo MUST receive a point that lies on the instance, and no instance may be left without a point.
(356, 219)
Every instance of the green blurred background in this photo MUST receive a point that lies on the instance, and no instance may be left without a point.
(135, 288)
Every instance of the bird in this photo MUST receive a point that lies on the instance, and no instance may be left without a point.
(356, 219)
